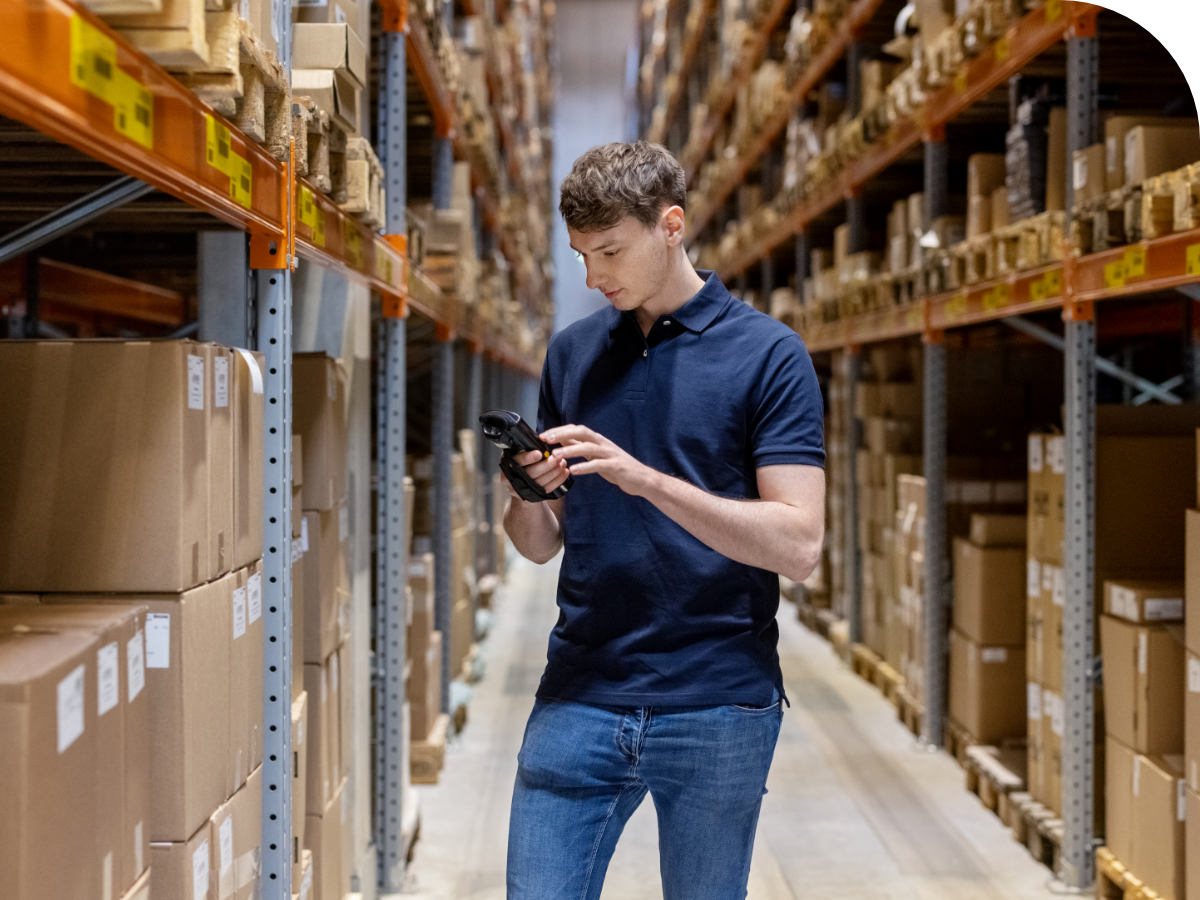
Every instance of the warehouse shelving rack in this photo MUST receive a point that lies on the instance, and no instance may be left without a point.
(65, 74)
(1074, 288)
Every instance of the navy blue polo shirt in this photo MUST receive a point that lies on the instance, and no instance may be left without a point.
(649, 615)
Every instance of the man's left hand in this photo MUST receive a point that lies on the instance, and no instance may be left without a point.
(601, 457)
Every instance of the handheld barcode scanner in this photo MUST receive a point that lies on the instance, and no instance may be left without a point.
(512, 435)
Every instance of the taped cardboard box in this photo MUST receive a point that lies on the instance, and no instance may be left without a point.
(50, 744)
(329, 46)
(1151, 150)
(1159, 807)
(319, 417)
(1153, 601)
(323, 836)
(987, 689)
(1144, 685)
(323, 542)
(122, 778)
(424, 687)
(324, 11)
(246, 674)
(333, 92)
(989, 593)
(188, 656)
(1115, 130)
(247, 413)
(182, 870)
(108, 443)
(299, 782)
(235, 843)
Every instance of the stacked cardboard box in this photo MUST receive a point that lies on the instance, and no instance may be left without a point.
(424, 649)
(986, 191)
(144, 536)
(323, 608)
(329, 63)
(837, 470)
(1191, 721)
(908, 624)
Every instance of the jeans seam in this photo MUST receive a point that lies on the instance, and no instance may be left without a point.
(587, 879)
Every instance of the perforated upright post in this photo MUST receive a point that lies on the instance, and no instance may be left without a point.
(474, 410)
(1083, 92)
(852, 367)
(802, 252)
(273, 289)
(443, 448)
(1077, 860)
(936, 565)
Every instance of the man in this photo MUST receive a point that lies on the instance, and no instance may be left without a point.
(693, 426)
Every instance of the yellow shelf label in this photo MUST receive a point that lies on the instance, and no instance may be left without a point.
(1114, 274)
(307, 208)
(94, 68)
(241, 181)
(386, 274)
(353, 241)
(915, 317)
(219, 153)
(1003, 48)
(319, 227)
(956, 306)
(1135, 262)
(1037, 290)
(996, 298)
(960, 81)
(1193, 259)
(1054, 284)
(1054, 11)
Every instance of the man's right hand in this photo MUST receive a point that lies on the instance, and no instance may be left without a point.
(549, 473)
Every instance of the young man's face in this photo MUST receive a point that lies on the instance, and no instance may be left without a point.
(629, 262)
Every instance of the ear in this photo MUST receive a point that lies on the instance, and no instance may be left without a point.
(672, 223)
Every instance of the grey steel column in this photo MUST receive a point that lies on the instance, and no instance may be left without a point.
(856, 217)
(1083, 110)
(443, 447)
(936, 566)
(490, 462)
(274, 295)
(852, 367)
(768, 281)
(474, 401)
(393, 130)
(802, 254)
(391, 568)
(223, 286)
(443, 172)
(1077, 861)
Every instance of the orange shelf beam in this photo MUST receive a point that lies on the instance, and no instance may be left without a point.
(94, 293)
(1025, 40)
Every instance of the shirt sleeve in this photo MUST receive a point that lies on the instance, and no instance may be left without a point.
(548, 415)
(787, 425)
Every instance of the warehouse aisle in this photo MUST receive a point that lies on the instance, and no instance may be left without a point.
(853, 812)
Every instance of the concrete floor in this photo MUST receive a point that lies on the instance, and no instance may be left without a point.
(853, 810)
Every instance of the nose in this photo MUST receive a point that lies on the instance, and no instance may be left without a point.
(593, 279)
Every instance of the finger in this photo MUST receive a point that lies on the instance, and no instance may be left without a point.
(553, 483)
(578, 449)
(558, 470)
(528, 458)
(564, 433)
(586, 468)
(542, 466)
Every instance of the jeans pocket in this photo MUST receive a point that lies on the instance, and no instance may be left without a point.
(756, 709)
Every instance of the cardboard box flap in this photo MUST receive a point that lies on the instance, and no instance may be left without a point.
(329, 46)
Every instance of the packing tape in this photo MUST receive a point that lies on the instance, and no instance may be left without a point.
(245, 870)
(256, 379)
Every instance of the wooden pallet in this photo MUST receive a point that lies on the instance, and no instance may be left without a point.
(993, 772)
(1115, 882)
(320, 148)
(958, 741)
(839, 635)
(807, 614)
(427, 757)
(864, 661)
(1037, 827)
(909, 711)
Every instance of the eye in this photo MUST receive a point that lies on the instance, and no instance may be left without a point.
(611, 252)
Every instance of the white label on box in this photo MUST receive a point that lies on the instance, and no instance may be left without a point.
(1110, 153)
(195, 382)
(135, 657)
(244, 10)
(239, 612)
(221, 380)
(304, 534)
(339, 15)
(227, 844)
(158, 641)
(297, 551)
(139, 852)
(1193, 675)
(1059, 594)
(343, 522)
(276, 12)
(1143, 651)
(1137, 775)
(1033, 698)
(200, 872)
(1033, 577)
(1081, 172)
(1130, 154)
(1056, 454)
(299, 735)
(1123, 599)
(994, 655)
(106, 876)
(1057, 714)
(1180, 800)
(70, 709)
(256, 379)
(254, 597)
(1036, 456)
(108, 678)
(1162, 609)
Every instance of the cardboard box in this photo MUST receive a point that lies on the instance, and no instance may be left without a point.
(298, 619)
(1115, 130)
(987, 689)
(1191, 581)
(320, 761)
(333, 93)
(1155, 149)
(989, 593)
(329, 46)
(299, 783)
(1035, 777)
(1088, 173)
(235, 842)
(1159, 807)
(323, 836)
(323, 543)
(265, 16)
(999, 208)
(220, 460)
(141, 888)
(345, 671)
(997, 530)
(246, 396)
(1118, 791)
(1191, 722)
(246, 674)
(1034, 650)
(334, 708)
(979, 217)
(107, 443)
(1144, 672)
(1058, 160)
(1053, 726)
(1191, 803)
(1144, 600)
(985, 173)
(49, 742)
(1052, 603)
(319, 419)
(182, 870)
(122, 778)
(332, 11)
(304, 883)
(424, 688)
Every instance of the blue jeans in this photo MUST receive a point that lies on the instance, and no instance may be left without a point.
(584, 769)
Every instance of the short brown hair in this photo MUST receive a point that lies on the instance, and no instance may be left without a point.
(616, 180)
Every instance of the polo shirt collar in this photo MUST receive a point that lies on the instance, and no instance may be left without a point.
(699, 312)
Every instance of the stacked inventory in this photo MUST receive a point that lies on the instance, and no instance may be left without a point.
(132, 620)
(1191, 741)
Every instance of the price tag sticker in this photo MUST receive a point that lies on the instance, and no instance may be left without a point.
(1114, 274)
(1003, 49)
(956, 306)
(1135, 262)
(219, 153)
(1193, 259)
(94, 68)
